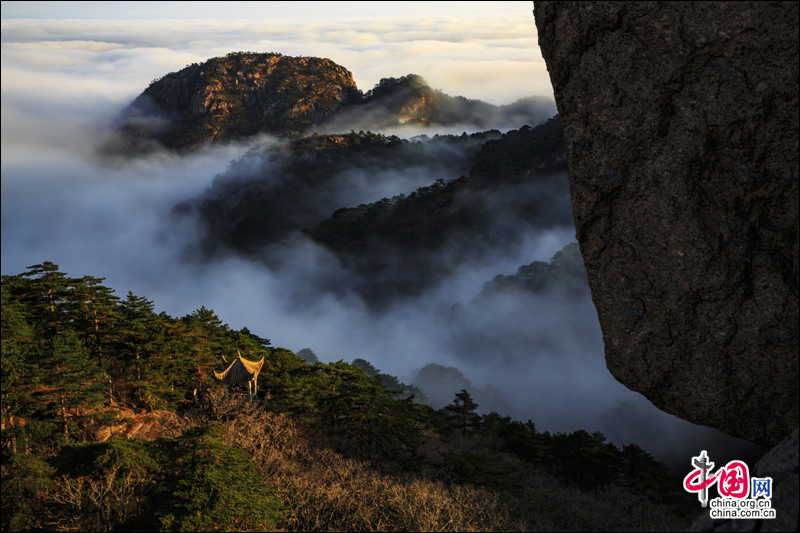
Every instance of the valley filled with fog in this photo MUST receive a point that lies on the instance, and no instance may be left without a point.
(536, 356)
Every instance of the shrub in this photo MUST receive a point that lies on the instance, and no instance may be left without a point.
(26, 484)
(215, 487)
(481, 470)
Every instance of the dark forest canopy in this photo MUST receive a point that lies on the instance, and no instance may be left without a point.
(516, 184)
(269, 194)
(565, 271)
(428, 216)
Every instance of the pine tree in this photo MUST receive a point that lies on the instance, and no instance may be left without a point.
(44, 295)
(308, 355)
(260, 341)
(66, 378)
(461, 413)
(73, 379)
(140, 337)
(18, 368)
(96, 313)
(181, 359)
(366, 366)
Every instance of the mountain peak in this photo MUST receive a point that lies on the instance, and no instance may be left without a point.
(241, 94)
(245, 93)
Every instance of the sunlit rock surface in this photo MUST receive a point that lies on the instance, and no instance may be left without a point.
(681, 125)
(239, 95)
(141, 424)
(246, 93)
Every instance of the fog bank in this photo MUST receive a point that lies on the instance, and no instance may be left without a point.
(63, 82)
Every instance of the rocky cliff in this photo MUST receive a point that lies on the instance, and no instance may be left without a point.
(239, 95)
(681, 125)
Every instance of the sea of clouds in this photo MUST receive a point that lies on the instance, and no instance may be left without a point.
(64, 82)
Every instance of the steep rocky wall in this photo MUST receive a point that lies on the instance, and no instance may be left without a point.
(681, 124)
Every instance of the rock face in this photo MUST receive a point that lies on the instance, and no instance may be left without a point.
(681, 125)
(140, 424)
(410, 100)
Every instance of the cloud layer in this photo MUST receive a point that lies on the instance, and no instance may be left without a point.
(63, 83)
(495, 59)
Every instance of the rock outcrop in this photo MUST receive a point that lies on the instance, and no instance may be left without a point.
(410, 100)
(681, 125)
(140, 424)
(242, 94)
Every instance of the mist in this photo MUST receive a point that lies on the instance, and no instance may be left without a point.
(64, 82)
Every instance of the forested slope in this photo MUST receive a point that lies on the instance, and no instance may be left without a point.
(516, 185)
(272, 192)
(326, 447)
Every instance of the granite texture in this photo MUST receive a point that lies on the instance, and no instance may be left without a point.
(681, 125)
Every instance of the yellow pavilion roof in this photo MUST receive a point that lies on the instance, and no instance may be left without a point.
(240, 370)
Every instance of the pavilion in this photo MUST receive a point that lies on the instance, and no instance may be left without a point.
(240, 371)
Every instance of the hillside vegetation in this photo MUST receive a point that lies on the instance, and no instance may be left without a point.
(409, 100)
(268, 195)
(481, 193)
(326, 446)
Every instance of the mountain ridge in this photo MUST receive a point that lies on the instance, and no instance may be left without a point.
(246, 93)
(481, 191)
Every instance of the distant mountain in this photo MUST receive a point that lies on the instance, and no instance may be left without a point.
(410, 100)
(238, 95)
(246, 93)
(401, 245)
(565, 271)
(491, 190)
(272, 192)
(517, 157)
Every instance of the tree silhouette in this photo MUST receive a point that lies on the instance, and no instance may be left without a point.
(309, 356)
(461, 413)
(439, 382)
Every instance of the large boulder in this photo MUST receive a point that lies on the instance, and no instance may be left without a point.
(681, 125)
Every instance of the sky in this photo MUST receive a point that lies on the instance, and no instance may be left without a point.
(69, 68)
(245, 10)
(483, 50)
